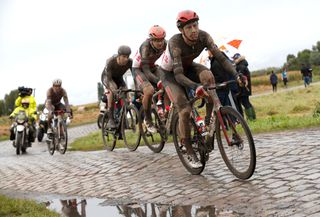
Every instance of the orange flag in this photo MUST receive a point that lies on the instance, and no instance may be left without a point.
(235, 43)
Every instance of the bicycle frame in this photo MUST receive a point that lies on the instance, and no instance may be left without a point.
(57, 119)
(217, 113)
(166, 122)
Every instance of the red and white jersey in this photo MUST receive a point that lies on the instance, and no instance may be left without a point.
(166, 60)
(137, 60)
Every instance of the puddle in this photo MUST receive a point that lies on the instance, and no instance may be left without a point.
(102, 208)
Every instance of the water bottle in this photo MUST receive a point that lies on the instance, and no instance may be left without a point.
(201, 126)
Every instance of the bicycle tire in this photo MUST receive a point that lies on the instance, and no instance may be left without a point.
(130, 128)
(40, 134)
(99, 120)
(155, 141)
(239, 132)
(51, 145)
(65, 144)
(181, 150)
(108, 135)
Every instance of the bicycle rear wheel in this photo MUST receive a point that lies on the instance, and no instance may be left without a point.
(130, 128)
(236, 145)
(196, 140)
(63, 141)
(155, 141)
(108, 135)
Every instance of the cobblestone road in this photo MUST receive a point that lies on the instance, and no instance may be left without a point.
(286, 181)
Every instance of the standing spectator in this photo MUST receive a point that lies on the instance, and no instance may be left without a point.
(227, 95)
(284, 77)
(245, 91)
(305, 72)
(310, 74)
(273, 81)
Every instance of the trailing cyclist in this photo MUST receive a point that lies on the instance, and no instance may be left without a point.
(112, 77)
(180, 72)
(146, 74)
(53, 102)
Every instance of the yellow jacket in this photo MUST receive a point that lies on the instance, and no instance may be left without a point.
(32, 105)
(29, 111)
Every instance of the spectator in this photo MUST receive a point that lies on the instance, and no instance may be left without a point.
(245, 91)
(284, 77)
(305, 72)
(227, 95)
(310, 74)
(274, 81)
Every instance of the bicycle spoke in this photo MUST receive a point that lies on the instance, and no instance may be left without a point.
(236, 144)
(131, 128)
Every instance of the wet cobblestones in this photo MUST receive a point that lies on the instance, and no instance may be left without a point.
(285, 183)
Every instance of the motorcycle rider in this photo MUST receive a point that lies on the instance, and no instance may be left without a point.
(112, 77)
(53, 102)
(32, 117)
(145, 73)
(180, 72)
(25, 92)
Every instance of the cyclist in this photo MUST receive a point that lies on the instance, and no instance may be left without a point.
(53, 102)
(112, 77)
(32, 117)
(145, 72)
(180, 72)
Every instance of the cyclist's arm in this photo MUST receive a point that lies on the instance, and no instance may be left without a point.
(146, 66)
(178, 70)
(221, 58)
(66, 100)
(107, 80)
(49, 100)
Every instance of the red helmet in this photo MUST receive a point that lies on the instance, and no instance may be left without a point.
(185, 17)
(157, 32)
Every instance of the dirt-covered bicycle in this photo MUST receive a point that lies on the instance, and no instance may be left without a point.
(232, 133)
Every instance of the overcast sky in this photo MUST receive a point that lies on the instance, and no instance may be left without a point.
(71, 39)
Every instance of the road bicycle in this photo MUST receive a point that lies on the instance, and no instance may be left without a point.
(59, 138)
(161, 117)
(232, 133)
(127, 119)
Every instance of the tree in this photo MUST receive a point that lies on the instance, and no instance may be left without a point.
(315, 58)
(304, 57)
(9, 100)
(292, 62)
(316, 47)
(2, 108)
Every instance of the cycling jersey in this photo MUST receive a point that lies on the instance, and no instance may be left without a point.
(112, 75)
(54, 98)
(144, 63)
(179, 56)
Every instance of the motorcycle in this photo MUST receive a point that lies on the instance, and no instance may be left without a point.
(42, 127)
(21, 132)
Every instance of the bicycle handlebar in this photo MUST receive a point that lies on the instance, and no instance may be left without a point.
(220, 85)
(126, 91)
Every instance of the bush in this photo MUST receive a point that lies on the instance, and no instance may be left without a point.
(316, 112)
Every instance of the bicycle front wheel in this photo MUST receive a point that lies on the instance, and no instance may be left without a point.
(235, 143)
(63, 141)
(130, 128)
(155, 141)
(108, 135)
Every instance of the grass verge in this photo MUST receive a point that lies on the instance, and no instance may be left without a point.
(23, 208)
